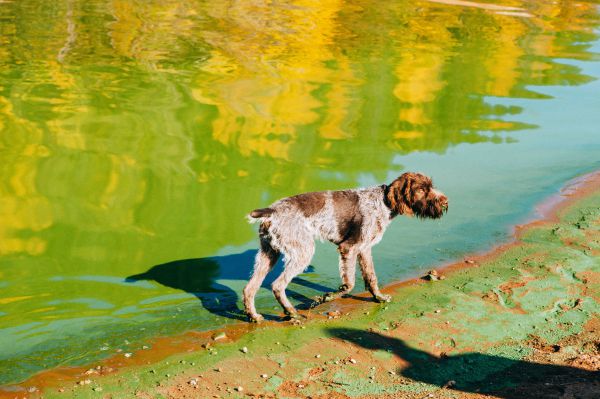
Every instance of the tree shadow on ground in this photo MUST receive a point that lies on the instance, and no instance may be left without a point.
(482, 373)
(200, 277)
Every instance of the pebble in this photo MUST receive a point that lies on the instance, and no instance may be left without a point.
(145, 347)
(193, 382)
(317, 356)
(219, 369)
(352, 361)
(432, 275)
(239, 389)
(392, 372)
(264, 376)
(97, 389)
(437, 311)
(127, 354)
(244, 349)
(31, 389)
(219, 336)
(61, 390)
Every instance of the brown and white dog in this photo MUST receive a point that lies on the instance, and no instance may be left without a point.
(354, 220)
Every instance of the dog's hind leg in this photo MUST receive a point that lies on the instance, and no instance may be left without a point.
(264, 262)
(368, 271)
(296, 260)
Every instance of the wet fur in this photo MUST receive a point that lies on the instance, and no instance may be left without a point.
(354, 220)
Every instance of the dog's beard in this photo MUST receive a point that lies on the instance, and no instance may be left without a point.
(430, 209)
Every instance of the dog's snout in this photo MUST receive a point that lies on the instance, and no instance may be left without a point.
(444, 201)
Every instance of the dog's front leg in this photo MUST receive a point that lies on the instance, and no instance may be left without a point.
(348, 256)
(368, 271)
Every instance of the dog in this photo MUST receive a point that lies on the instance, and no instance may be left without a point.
(354, 220)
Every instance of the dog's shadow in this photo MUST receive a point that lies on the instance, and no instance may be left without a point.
(200, 277)
(481, 373)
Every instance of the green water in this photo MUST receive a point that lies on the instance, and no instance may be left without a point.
(134, 134)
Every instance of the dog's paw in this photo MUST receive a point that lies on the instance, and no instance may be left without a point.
(257, 318)
(383, 298)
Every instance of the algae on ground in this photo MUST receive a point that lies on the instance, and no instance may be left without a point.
(471, 328)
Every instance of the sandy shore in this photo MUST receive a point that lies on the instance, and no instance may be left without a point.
(519, 321)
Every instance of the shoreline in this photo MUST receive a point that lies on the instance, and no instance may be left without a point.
(547, 212)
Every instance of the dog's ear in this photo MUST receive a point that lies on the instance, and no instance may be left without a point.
(399, 195)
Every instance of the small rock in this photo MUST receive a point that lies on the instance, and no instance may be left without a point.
(333, 314)
(392, 372)
(219, 369)
(437, 311)
(145, 347)
(239, 389)
(193, 382)
(61, 390)
(352, 361)
(470, 261)
(264, 376)
(128, 354)
(97, 389)
(244, 349)
(450, 383)
(31, 389)
(300, 386)
(219, 336)
(317, 356)
(432, 275)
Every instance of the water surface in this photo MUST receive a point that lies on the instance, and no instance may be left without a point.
(136, 135)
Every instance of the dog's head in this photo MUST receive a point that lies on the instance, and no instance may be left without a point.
(413, 194)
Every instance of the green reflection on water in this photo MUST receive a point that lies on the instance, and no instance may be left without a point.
(136, 133)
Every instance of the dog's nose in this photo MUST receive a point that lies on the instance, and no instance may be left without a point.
(444, 201)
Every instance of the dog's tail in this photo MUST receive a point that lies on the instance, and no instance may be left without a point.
(260, 213)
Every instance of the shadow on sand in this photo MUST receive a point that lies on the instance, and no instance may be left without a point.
(481, 373)
(200, 277)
